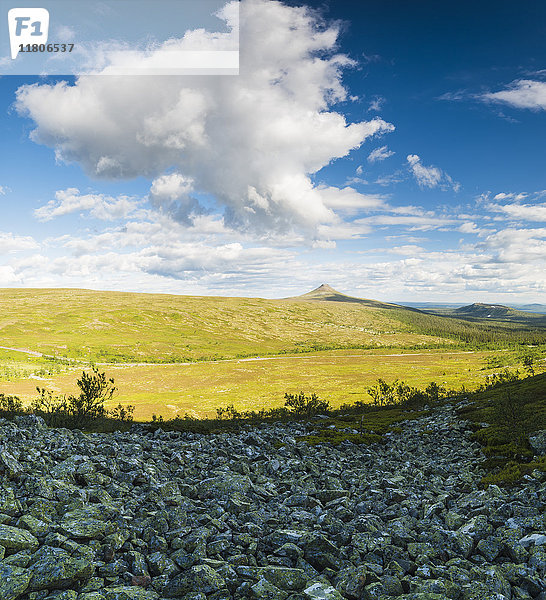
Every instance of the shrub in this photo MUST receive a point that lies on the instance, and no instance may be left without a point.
(528, 362)
(228, 412)
(76, 411)
(399, 393)
(307, 406)
(10, 404)
(96, 389)
(122, 413)
(496, 379)
(510, 415)
(47, 403)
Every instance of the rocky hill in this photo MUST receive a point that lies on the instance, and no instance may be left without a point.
(485, 311)
(326, 293)
(259, 514)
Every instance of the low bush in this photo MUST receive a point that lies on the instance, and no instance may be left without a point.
(306, 406)
(10, 404)
(86, 410)
(400, 393)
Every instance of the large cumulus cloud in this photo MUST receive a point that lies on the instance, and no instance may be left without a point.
(251, 141)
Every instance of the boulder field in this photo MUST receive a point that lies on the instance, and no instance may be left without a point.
(259, 514)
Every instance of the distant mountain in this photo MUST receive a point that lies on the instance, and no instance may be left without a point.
(326, 293)
(433, 306)
(485, 311)
(534, 308)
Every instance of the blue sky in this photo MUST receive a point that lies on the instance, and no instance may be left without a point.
(392, 149)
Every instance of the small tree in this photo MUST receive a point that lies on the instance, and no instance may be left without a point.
(122, 413)
(304, 405)
(95, 390)
(47, 403)
(381, 393)
(434, 391)
(10, 404)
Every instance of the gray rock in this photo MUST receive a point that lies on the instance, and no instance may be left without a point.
(200, 578)
(350, 582)
(264, 590)
(13, 581)
(224, 485)
(84, 524)
(129, 593)
(537, 441)
(285, 578)
(56, 569)
(535, 539)
(14, 539)
(322, 591)
(258, 514)
(9, 465)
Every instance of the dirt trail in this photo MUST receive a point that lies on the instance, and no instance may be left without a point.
(29, 352)
(309, 356)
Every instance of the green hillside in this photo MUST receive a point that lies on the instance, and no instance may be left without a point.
(125, 327)
(504, 417)
(323, 341)
(128, 327)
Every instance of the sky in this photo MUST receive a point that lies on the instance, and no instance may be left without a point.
(394, 150)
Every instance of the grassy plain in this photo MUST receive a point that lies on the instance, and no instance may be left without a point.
(125, 327)
(338, 376)
(175, 354)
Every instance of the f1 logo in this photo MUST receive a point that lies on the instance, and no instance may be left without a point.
(27, 26)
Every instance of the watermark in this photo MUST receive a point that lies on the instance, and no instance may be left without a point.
(120, 37)
(27, 27)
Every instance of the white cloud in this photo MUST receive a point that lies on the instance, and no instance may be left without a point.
(391, 179)
(380, 154)
(171, 187)
(414, 223)
(4, 190)
(523, 93)
(347, 199)
(251, 141)
(523, 212)
(430, 177)
(99, 206)
(510, 196)
(520, 246)
(10, 243)
(511, 205)
(406, 250)
(377, 104)
(64, 33)
(160, 254)
(357, 178)
(458, 95)
(425, 176)
(469, 228)
(172, 194)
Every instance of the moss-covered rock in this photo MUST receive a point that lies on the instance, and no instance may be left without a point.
(13, 581)
(54, 568)
(129, 593)
(84, 524)
(264, 590)
(322, 591)
(200, 578)
(14, 539)
(285, 578)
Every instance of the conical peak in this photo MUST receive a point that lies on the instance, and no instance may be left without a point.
(325, 288)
